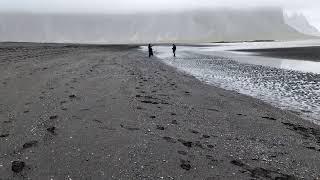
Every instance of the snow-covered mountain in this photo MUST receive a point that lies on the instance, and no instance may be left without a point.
(190, 26)
(301, 24)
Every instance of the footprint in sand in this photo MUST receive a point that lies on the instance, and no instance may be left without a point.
(169, 139)
(52, 130)
(269, 118)
(72, 96)
(30, 144)
(215, 110)
(149, 102)
(213, 161)
(182, 153)
(194, 131)
(4, 135)
(174, 122)
(129, 128)
(160, 127)
(63, 102)
(206, 136)
(186, 143)
(185, 165)
(53, 117)
(17, 166)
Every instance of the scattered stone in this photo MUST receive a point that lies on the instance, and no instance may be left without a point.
(17, 166)
(29, 144)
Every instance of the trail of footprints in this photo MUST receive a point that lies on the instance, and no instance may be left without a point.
(19, 166)
(185, 163)
(164, 100)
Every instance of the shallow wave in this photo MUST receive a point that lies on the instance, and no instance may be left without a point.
(291, 90)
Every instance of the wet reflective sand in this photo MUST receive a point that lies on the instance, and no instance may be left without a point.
(289, 84)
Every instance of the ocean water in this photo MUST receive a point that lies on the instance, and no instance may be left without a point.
(292, 85)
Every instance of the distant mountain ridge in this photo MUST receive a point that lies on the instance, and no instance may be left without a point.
(301, 24)
(189, 26)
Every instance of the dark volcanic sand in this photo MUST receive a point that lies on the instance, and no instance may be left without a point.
(299, 53)
(109, 112)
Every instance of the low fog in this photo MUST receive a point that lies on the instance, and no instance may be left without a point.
(129, 6)
(141, 21)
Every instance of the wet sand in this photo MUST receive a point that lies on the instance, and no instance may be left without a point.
(299, 53)
(109, 112)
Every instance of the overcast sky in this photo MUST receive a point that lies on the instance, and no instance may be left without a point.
(311, 8)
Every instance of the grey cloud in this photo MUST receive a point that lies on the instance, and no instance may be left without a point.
(309, 7)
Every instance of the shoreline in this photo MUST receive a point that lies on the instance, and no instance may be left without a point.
(311, 53)
(117, 113)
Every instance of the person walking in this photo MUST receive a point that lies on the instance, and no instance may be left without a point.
(150, 50)
(174, 48)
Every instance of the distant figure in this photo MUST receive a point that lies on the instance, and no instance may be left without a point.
(150, 50)
(174, 48)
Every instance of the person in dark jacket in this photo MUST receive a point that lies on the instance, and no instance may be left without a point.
(174, 48)
(150, 50)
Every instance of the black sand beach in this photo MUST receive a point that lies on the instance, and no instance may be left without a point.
(109, 112)
(299, 53)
